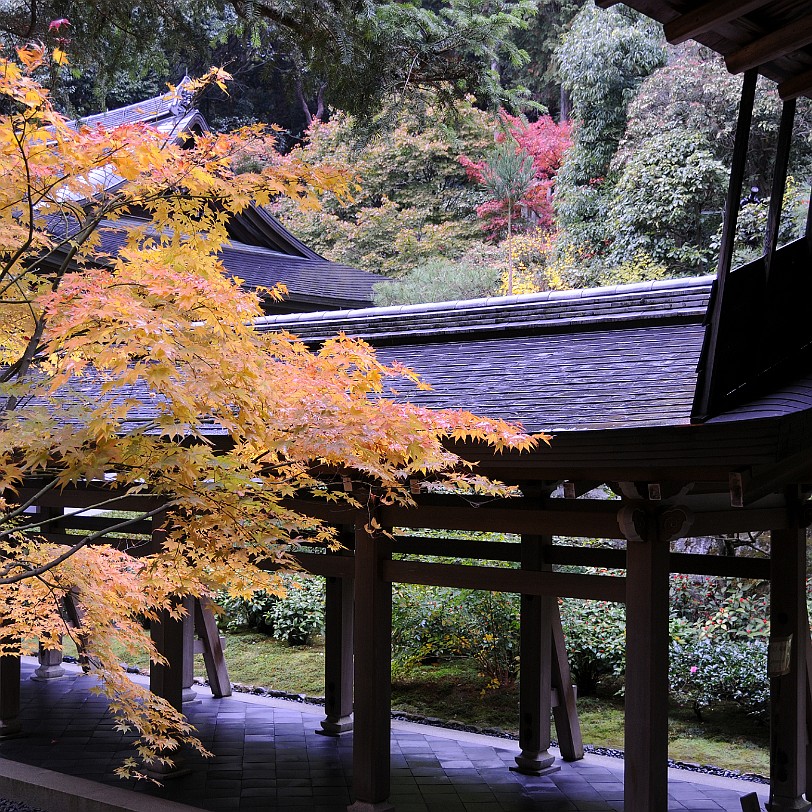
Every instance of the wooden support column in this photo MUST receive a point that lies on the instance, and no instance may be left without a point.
(211, 648)
(535, 678)
(779, 184)
(789, 632)
(567, 723)
(188, 694)
(167, 680)
(50, 659)
(646, 729)
(338, 647)
(372, 634)
(9, 696)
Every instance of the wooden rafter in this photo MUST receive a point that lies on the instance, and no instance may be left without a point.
(795, 86)
(771, 46)
(706, 17)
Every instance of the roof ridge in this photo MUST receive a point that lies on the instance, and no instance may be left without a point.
(491, 303)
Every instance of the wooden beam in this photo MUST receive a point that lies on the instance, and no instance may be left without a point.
(606, 3)
(575, 490)
(704, 398)
(456, 548)
(91, 497)
(213, 656)
(774, 45)
(558, 584)
(587, 518)
(565, 713)
(330, 566)
(779, 184)
(707, 16)
(798, 85)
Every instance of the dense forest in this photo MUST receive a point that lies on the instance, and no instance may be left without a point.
(512, 146)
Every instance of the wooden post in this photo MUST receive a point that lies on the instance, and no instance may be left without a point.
(372, 633)
(789, 631)
(187, 692)
(338, 647)
(167, 680)
(779, 184)
(535, 683)
(9, 696)
(646, 740)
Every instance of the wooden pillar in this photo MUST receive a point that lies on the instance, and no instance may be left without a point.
(187, 692)
(535, 678)
(9, 696)
(646, 729)
(372, 634)
(212, 648)
(338, 648)
(789, 631)
(167, 680)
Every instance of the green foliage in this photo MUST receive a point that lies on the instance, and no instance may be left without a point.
(667, 202)
(707, 671)
(440, 280)
(604, 58)
(414, 200)
(294, 618)
(432, 622)
(595, 633)
(508, 172)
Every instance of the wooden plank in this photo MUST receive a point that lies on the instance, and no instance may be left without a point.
(214, 659)
(646, 725)
(455, 548)
(788, 623)
(558, 584)
(707, 16)
(92, 497)
(774, 45)
(585, 518)
(779, 183)
(808, 655)
(330, 566)
(372, 633)
(565, 713)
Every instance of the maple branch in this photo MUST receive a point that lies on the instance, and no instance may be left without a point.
(55, 562)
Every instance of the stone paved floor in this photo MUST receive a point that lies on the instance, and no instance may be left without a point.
(269, 757)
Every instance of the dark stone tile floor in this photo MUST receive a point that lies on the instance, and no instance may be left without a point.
(268, 757)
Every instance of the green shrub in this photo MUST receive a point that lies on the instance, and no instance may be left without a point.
(298, 617)
(708, 670)
(295, 618)
(595, 633)
(435, 622)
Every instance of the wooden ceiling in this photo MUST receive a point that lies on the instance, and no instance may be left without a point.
(773, 36)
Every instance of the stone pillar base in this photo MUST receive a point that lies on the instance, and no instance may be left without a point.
(159, 771)
(367, 806)
(535, 763)
(189, 697)
(50, 665)
(335, 728)
(10, 729)
(788, 805)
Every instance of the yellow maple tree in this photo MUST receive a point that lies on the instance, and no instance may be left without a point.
(139, 372)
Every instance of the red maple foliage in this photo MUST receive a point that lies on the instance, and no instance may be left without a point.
(546, 142)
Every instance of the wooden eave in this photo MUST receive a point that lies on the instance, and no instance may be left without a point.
(773, 36)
